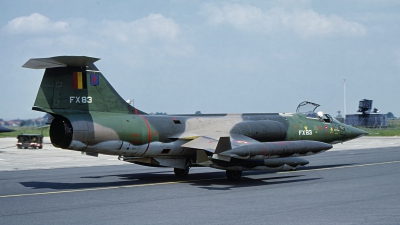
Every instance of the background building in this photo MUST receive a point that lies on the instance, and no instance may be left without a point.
(366, 118)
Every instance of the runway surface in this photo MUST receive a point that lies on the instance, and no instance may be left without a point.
(344, 186)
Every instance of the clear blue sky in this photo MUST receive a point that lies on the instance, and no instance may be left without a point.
(214, 56)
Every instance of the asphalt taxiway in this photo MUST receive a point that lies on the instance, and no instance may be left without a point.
(354, 183)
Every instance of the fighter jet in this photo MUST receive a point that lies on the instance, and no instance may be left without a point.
(5, 129)
(91, 117)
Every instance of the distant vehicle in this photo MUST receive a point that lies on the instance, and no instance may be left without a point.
(30, 141)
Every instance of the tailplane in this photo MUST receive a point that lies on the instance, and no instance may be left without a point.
(72, 84)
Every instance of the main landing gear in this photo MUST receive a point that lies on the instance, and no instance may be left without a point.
(230, 174)
(233, 175)
(181, 172)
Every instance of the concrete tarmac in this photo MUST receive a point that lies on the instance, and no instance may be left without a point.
(50, 157)
(346, 185)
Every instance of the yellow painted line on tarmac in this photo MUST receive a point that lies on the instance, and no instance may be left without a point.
(105, 188)
(341, 167)
(88, 189)
(181, 181)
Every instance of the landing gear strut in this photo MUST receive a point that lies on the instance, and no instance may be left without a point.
(233, 175)
(181, 172)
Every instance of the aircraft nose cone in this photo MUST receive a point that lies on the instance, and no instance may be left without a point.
(356, 133)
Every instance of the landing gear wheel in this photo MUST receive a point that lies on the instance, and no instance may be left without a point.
(181, 172)
(233, 175)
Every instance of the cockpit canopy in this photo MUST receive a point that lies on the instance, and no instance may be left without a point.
(308, 109)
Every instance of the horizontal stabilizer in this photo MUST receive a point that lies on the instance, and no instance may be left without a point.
(59, 61)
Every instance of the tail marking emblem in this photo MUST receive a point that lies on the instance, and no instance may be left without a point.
(94, 79)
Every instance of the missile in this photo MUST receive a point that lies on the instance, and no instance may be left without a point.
(275, 149)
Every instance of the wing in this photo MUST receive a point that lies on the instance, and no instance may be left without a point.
(238, 146)
(206, 143)
(217, 146)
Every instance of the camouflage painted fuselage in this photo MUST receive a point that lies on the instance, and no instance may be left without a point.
(159, 135)
(90, 116)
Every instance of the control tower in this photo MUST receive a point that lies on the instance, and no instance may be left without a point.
(369, 116)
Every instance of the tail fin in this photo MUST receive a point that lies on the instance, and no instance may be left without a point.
(73, 84)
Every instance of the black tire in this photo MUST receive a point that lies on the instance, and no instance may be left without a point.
(19, 147)
(181, 172)
(233, 175)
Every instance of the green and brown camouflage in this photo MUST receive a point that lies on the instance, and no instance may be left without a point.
(91, 117)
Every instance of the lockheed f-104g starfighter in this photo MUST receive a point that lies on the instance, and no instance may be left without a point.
(90, 116)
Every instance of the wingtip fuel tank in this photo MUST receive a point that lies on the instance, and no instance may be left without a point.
(279, 149)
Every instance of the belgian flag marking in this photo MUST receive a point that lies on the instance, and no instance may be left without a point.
(79, 81)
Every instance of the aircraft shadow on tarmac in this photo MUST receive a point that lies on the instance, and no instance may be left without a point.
(249, 182)
(305, 168)
(209, 180)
